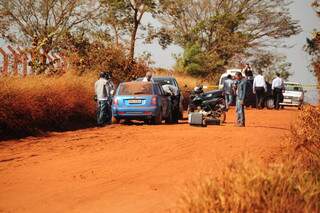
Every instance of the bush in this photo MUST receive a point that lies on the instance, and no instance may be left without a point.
(291, 185)
(36, 104)
(246, 187)
(93, 57)
(305, 131)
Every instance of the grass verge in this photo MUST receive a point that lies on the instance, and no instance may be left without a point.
(37, 104)
(292, 184)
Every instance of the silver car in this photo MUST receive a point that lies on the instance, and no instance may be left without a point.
(293, 95)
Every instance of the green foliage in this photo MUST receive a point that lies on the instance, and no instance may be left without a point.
(313, 45)
(225, 28)
(41, 25)
(124, 17)
(270, 63)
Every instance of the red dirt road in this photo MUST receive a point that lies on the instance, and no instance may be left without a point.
(125, 168)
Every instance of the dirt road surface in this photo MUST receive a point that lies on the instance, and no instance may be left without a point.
(129, 168)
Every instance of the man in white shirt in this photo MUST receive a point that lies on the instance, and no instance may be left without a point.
(259, 88)
(104, 90)
(277, 88)
(148, 77)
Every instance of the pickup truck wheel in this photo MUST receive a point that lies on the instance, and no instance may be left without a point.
(270, 103)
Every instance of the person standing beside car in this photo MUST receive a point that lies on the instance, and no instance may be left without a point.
(104, 90)
(240, 91)
(227, 90)
(259, 89)
(277, 89)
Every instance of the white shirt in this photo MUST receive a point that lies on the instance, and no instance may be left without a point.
(146, 80)
(277, 83)
(259, 82)
(104, 89)
(172, 90)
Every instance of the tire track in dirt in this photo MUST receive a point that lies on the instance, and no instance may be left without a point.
(128, 168)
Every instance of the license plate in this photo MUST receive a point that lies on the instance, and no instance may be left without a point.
(135, 101)
(287, 100)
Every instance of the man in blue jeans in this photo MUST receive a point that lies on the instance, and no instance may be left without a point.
(240, 91)
(104, 90)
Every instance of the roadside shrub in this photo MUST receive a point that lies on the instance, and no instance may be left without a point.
(246, 187)
(36, 104)
(305, 131)
(290, 185)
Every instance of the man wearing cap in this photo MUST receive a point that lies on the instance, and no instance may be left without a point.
(104, 90)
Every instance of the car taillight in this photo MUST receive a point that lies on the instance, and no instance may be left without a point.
(154, 101)
(115, 102)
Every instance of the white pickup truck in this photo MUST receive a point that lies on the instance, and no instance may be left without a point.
(293, 94)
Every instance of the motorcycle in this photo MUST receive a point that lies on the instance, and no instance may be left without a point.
(210, 104)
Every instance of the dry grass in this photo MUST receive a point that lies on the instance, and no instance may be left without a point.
(246, 187)
(306, 133)
(37, 104)
(290, 185)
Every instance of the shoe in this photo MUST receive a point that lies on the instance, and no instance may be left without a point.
(239, 125)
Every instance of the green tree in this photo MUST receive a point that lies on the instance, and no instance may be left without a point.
(124, 17)
(270, 63)
(313, 44)
(225, 28)
(44, 23)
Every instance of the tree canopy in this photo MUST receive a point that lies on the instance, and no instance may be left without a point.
(313, 44)
(225, 28)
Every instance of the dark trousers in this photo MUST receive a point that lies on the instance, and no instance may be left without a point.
(259, 97)
(104, 113)
(277, 97)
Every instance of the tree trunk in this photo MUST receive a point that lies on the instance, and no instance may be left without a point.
(133, 36)
(133, 43)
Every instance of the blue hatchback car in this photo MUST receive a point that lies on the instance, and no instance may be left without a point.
(144, 101)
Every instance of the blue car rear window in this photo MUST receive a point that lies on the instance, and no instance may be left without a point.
(135, 88)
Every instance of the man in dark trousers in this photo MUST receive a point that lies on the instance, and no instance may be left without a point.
(259, 88)
(240, 91)
(277, 88)
(104, 90)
